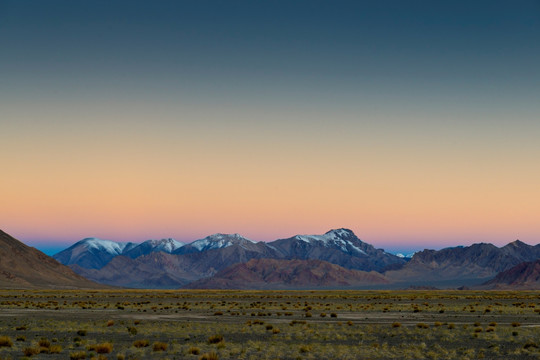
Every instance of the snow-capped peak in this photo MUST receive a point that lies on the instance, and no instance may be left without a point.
(166, 245)
(108, 246)
(218, 241)
(340, 238)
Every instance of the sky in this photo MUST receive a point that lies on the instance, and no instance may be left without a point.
(413, 123)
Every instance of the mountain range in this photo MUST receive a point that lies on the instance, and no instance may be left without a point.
(336, 259)
(102, 262)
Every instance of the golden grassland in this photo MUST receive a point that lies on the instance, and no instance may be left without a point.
(205, 324)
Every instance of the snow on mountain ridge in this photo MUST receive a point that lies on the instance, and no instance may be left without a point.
(167, 245)
(108, 246)
(218, 241)
(333, 237)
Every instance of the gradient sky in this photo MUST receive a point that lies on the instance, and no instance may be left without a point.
(414, 123)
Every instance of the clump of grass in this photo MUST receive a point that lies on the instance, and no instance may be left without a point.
(55, 349)
(515, 324)
(214, 339)
(334, 315)
(120, 357)
(323, 315)
(275, 331)
(21, 338)
(304, 349)
(493, 323)
(79, 355)
(269, 327)
(159, 346)
(209, 356)
(194, 350)
(31, 351)
(132, 330)
(82, 332)
(422, 326)
(20, 328)
(451, 326)
(104, 348)
(110, 323)
(218, 313)
(396, 324)
(5, 341)
(141, 343)
(530, 344)
(44, 343)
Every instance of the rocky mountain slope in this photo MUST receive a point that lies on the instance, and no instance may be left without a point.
(24, 267)
(522, 276)
(287, 274)
(475, 263)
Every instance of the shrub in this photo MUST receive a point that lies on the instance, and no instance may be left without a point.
(120, 357)
(269, 327)
(308, 314)
(304, 349)
(104, 348)
(44, 343)
(218, 313)
(21, 338)
(159, 346)
(493, 323)
(275, 331)
(334, 315)
(451, 326)
(81, 332)
(141, 343)
(194, 350)
(396, 324)
(422, 326)
(132, 330)
(209, 356)
(110, 323)
(79, 355)
(515, 324)
(55, 349)
(31, 351)
(5, 341)
(323, 315)
(20, 328)
(214, 339)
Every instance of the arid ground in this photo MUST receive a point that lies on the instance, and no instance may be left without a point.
(129, 324)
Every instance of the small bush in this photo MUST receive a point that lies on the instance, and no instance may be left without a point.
(451, 326)
(5, 341)
(110, 323)
(218, 313)
(269, 327)
(141, 343)
(44, 343)
(79, 355)
(214, 339)
(323, 315)
(304, 349)
(194, 350)
(159, 346)
(20, 328)
(422, 326)
(132, 330)
(209, 356)
(396, 324)
(104, 348)
(55, 349)
(120, 357)
(493, 323)
(21, 338)
(275, 331)
(334, 315)
(81, 332)
(516, 324)
(31, 351)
